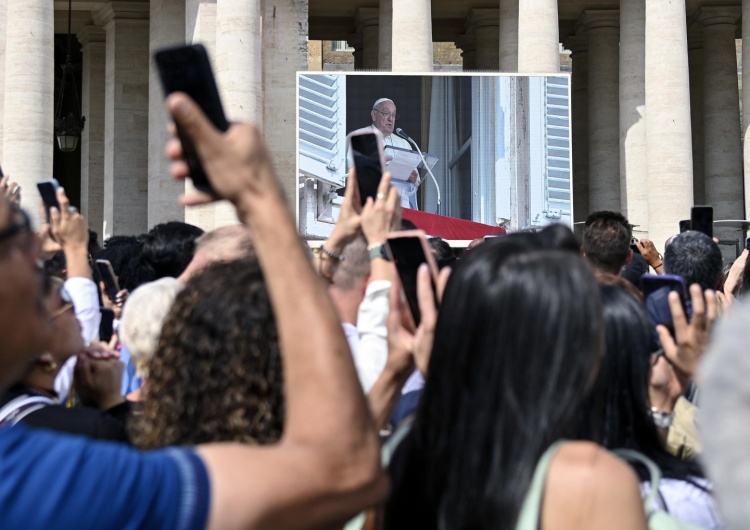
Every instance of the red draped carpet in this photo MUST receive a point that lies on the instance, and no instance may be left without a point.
(450, 227)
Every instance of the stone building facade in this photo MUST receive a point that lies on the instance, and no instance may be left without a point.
(655, 100)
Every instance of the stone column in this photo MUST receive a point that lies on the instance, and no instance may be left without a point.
(695, 60)
(633, 177)
(508, 42)
(669, 150)
(385, 34)
(93, 49)
(285, 31)
(746, 98)
(28, 133)
(200, 26)
(126, 117)
(602, 28)
(721, 114)
(538, 37)
(468, 45)
(484, 25)
(3, 11)
(579, 83)
(166, 28)
(239, 70)
(412, 18)
(366, 22)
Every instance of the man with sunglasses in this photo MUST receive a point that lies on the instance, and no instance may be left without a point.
(384, 118)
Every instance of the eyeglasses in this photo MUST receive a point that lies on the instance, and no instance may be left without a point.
(387, 115)
(65, 297)
(655, 356)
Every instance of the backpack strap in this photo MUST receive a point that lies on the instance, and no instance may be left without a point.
(20, 407)
(528, 518)
(630, 455)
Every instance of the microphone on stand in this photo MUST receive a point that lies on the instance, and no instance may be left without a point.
(401, 134)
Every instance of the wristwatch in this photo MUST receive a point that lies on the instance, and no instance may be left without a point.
(378, 251)
(663, 420)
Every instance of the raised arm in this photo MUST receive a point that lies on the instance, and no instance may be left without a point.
(326, 466)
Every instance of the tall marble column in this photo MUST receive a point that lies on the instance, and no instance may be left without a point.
(669, 149)
(28, 126)
(166, 28)
(412, 18)
(126, 117)
(385, 34)
(93, 50)
(695, 60)
(200, 27)
(508, 29)
(746, 98)
(633, 177)
(239, 70)
(721, 114)
(579, 83)
(602, 28)
(538, 37)
(3, 12)
(367, 22)
(484, 25)
(284, 54)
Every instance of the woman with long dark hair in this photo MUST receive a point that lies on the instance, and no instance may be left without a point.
(517, 344)
(616, 413)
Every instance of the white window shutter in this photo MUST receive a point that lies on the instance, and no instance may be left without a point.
(557, 186)
(322, 127)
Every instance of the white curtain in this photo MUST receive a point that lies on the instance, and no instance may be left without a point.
(442, 143)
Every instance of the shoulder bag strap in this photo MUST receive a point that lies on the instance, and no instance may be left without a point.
(528, 518)
(631, 455)
(20, 407)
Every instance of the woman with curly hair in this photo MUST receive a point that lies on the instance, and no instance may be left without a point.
(216, 374)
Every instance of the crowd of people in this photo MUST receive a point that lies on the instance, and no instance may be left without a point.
(248, 382)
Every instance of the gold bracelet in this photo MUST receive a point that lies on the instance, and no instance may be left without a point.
(322, 253)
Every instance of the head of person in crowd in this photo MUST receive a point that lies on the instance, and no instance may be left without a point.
(25, 326)
(350, 280)
(94, 247)
(64, 339)
(168, 248)
(124, 253)
(142, 319)
(216, 374)
(55, 266)
(224, 244)
(475, 243)
(384, 116)
(444, 255)
(498, 392)
(616, 413)
(606, 241)
(696, 258)
(559, 236)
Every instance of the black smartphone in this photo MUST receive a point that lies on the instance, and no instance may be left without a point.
(48, 191)
(368, 155)
(633, 245)
(1, 172)
(106, 324)
(188, 69)
(409, 249)
(747, 244)
(656, 289)
(684, 225)
(108, 277)
(702, 219)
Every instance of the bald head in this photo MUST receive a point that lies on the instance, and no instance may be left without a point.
(225, 244)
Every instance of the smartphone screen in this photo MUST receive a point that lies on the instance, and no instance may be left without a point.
(108, 277)
(1, 172)
(188, 69)
(408, 254)
(367, 155)
(684, 225)
(702, 219)
(48, 191)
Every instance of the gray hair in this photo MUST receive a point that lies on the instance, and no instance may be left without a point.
(724, 414)
(142, 317)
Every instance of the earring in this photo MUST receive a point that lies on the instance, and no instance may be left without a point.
(49, 367)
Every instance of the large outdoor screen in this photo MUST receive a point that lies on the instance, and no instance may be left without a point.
(495, 149)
